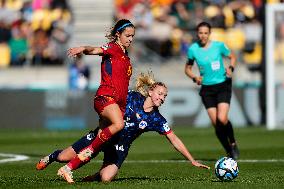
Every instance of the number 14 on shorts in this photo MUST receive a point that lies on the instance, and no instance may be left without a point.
(120, 148)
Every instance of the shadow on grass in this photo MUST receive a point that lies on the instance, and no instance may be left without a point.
(136, 179)
(130, 179)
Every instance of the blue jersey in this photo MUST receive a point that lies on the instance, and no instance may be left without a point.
(137, 121)
(210, 61)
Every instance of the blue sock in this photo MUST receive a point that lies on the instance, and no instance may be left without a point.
(53, 156)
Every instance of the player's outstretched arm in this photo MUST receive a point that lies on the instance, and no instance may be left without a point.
(74, 52)
(179, 146)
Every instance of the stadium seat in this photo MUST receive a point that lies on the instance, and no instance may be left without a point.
(5, 54)
(41, 19)
(279, 55)
(218, 34)
(235, 39)
(254, 57)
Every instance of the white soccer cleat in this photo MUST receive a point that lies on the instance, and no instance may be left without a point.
(66, 173)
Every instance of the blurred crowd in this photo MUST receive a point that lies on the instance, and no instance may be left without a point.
(34, 32)
(167, 27)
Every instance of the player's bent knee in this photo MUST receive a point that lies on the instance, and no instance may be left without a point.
(119, 125)
(63, 158)
(106, 178)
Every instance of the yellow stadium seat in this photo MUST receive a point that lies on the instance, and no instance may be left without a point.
(255, 56)
(5, 54)
(229, 16)
(218, 34)
(235, 39)
(41, 19)
(211, 11)
(279, 55)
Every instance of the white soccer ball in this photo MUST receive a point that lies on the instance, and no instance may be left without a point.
(226, 169)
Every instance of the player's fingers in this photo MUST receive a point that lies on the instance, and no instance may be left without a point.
(70, 53)
(202, 166)
(206, 167)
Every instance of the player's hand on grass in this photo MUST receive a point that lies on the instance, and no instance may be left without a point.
(197, 164)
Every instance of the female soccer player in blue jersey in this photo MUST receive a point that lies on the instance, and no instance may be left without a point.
(216, 83)
(141, 115)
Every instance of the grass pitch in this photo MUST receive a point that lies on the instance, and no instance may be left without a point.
(140, 170)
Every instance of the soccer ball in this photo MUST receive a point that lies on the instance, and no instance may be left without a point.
(226, 169)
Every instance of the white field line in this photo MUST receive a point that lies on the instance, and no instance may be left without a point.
(185, 161)
(16, 157)
(12, 157)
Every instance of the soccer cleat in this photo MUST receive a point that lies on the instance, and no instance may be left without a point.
(235, 153)
(86, 154)
(66, 173)
(43, 163)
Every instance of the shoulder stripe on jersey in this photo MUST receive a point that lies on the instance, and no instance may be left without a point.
(108, 66)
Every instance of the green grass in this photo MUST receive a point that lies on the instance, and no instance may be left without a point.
(254, 143)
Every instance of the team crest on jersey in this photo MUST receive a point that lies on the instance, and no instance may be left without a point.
(143, 124)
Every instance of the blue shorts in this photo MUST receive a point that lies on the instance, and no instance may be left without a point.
(114, 153)
(85, 141)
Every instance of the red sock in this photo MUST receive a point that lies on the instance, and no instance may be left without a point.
(104, 136)
(77, 162)
(74, 163)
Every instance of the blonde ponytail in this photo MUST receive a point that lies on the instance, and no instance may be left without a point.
(146, 82)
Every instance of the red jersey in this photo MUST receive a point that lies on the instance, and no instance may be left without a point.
(116, 71)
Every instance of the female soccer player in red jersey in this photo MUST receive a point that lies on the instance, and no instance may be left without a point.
(110, 99)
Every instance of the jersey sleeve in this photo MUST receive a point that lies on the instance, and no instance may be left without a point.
(162, 127)
(224, 49)
(107, 49)
(190, 56)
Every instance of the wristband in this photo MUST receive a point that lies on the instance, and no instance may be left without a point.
(194, 80)
(232, 68)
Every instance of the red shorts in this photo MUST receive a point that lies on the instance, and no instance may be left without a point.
(100, 102)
